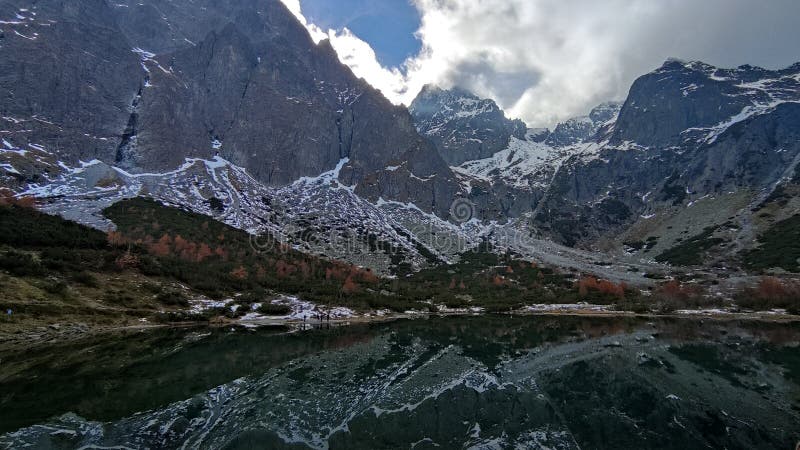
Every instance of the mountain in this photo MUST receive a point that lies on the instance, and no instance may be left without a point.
(228, 108)
(694, 153)
(474, 136)
(505, 166)
(692, 100)
(463, 126)
(144, 85)
(698, 162)
(581, 129)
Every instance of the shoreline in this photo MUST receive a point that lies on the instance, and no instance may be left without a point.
(55, 334)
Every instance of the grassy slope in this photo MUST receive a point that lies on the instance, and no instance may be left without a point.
(54, 268)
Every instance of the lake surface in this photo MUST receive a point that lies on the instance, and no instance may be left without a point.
(457, 382)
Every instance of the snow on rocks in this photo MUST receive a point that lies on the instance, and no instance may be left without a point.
(200, 305)
(523, 164)
(544, 308)
(300, 310)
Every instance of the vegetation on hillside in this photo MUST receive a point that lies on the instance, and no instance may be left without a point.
(691, 252)
(219, 261)
(779, 247)
(52, 267)
(160, 257)
(771, 293)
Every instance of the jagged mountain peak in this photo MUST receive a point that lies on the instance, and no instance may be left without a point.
(742, 73)
(463, 126)
(605, 111)
(583, 128)
(434, 90)
(241, 77)
(453, 102)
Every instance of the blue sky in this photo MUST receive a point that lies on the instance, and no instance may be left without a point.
(387, 25)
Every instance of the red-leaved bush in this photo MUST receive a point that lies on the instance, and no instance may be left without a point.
(592, 285)
(771, 293)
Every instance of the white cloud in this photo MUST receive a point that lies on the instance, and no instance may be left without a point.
(361, 59)
(548, 60)
(359, 56)
(316, 32)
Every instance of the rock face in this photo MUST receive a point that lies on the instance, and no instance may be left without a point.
(146, 84)
(142, 85)
(507, 166)
(687, 133)
(67, 77)
(581, 129)
(665, 105)
(463, 126)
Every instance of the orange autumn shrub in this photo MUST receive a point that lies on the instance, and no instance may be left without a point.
(588, 286)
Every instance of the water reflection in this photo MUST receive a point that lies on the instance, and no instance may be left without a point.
(482, 382)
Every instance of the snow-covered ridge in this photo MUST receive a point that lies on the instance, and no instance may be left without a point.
(314, 214)
(524, 164)
(445, 107)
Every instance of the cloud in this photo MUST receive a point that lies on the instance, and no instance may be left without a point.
(316, 32)
(361, 59)
(547, 60)
(359, 56)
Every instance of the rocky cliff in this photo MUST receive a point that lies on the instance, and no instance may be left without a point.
(101, 101)
(694, 147)
(146, 84)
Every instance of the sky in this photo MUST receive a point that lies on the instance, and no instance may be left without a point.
(545, 61)
(387, 25)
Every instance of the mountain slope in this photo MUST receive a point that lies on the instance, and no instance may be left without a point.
(694, 147)
(687, 164)
(228, 108)
(238, 78)
(582, 129)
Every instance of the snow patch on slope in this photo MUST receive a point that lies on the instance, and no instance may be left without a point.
(524, 164)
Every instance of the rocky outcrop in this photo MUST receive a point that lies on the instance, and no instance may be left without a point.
(67, 78)
(666, 106)
(581, 129)
(144, 84)
(463, 126)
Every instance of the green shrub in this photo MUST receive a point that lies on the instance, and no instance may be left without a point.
(271, 309)
(172, 298)
(28, 228)
(120, 298)
(779, 246)
(20, 264)
(86, 279)
(59, 287)
(692, 251)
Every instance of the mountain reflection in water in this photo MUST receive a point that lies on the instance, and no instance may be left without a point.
(458, 382)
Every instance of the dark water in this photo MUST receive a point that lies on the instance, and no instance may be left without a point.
(479, 382)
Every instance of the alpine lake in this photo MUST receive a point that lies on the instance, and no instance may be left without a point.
(482, 382)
